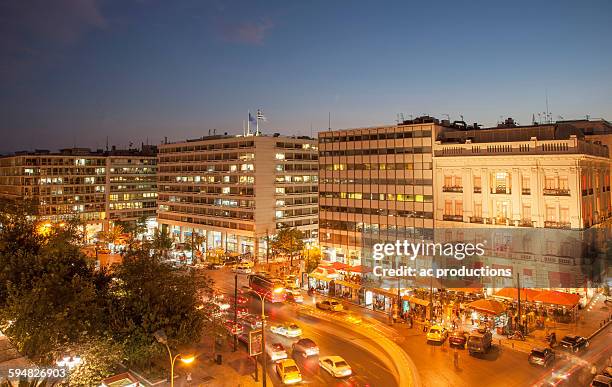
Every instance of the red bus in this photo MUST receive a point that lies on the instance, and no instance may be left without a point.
(270, 288)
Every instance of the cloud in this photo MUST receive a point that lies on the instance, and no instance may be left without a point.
(35, 28)
(246, 32)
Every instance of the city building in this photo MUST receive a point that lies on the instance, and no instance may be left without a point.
(375, 184)
(238, 190)
(525, 176)
(94, 186)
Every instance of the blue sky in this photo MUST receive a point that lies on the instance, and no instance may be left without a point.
(77, 71)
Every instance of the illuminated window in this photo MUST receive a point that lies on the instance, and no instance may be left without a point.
(225, 190)
(280, 156)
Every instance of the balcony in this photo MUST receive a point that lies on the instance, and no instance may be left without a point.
(501, 191)
(452, 189)
(453, 218)
(477, 189)
(556, 192)
(526, 191)
(560, 225)
(525, 223)
(475, 219)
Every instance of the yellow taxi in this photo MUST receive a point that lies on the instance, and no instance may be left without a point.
(288, 371)
(437, 333)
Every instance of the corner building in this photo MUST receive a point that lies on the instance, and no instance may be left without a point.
(375, 184)
(238, 190)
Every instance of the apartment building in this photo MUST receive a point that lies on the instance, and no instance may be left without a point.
(94, 186)
(375, 184)
(531, 176)
(238, 190)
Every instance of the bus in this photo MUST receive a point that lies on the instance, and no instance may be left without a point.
(270, 288)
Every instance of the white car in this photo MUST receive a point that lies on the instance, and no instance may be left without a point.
(287, 330)
(242, 269)
(336, 366)
(276, 351)
(252, 321)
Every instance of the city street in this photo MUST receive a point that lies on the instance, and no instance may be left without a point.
(502, 366)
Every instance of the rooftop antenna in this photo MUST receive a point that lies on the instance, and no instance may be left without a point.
(329, 121)
(447, 116)
(547, 111)
(461, 115)
(311, 130)
(107, 143)
(588, 116)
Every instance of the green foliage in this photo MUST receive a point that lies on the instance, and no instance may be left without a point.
(29, 383)
(99, 359)
(288, 241)
(313, 259)
(161, 243)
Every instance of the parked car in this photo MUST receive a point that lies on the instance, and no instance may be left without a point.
(214, 266)
(241, 300)
(276, 351)
(287, 330)
(437, 333)
(332, 305)
(288, 371)
(458, 338)
(542, 357)
(479, 342)
(242, 269)
(294, 295)
(336, 366)
(234, 329)
(601, 381)
(306, 347)
(241, 311)
(573, 343)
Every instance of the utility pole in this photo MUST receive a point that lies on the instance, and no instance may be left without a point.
(235, 311)
(518, 284)
(192, 257)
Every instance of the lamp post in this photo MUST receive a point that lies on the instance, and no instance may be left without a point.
(161, 337)
(263, 333)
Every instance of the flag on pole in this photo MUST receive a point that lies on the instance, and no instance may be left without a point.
(252, 119)
(260, 116)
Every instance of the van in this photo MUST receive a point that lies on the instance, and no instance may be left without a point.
(479, 342)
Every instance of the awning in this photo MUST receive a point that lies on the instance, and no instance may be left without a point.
(348, 284)
(487, 306)
(319, 276)
(557, 298)
(326, 271)
(416, 300)
(383, 292)
(339, 265)
(359, 269)
(513, 293)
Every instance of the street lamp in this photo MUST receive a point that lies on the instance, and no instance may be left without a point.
(263, 331)
(69, 362)
(161, 337)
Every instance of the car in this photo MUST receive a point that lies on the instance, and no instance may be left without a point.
(241, 311)
(241, 300)
(458, 338)
(276, 351)
(543, 357)
(573, 343)
(233, 329)
(287, 330)
(214, 266)
(607, 371)
(437, 333)
(336, 366)
(288, 371)
(355, 381)
(244, 338)
(306, 347)
(252, 321)
(479, 342)
(601, 381)
(242, 269)
(293, 295)
(332, 305)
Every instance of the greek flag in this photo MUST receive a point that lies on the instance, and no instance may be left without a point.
(252, 119)
(260, 116)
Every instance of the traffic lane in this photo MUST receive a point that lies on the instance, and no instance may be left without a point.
(363, 363)
(436, 364)
(575, 369)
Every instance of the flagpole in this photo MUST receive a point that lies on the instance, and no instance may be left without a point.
(248, 133)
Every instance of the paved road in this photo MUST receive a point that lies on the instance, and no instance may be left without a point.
(331, 339)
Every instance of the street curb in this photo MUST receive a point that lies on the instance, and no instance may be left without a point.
(600, 329)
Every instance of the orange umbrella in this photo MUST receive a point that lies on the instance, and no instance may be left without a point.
(487, 306)
(557, 298)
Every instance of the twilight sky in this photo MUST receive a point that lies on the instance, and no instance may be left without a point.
(77, 71)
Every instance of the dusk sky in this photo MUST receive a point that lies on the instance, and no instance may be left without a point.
(77, 71)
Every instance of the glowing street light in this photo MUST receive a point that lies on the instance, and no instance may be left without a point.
(161, 337)
(69, 362)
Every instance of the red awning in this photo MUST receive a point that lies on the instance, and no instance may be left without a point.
(359, 269)
(512, 293)
(339, 265)
(557, 298)
(487, 306)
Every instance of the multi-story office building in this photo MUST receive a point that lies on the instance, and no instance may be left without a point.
(375, 184)
(535, 176)
(238, 190)
(96, 187)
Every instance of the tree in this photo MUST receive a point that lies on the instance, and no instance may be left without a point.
(288, 241)
(134, 228)
(113, 235)
(99, 359)
(161, 243)
(195, 242)
(313, 258)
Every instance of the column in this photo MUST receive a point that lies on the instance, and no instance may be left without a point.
(485, 180)
(516, 196)
(224, 240)
(239, 240)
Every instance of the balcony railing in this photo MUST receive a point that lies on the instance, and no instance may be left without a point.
(452, 189)
(525, 223)
(453, 218)
(551, 224)
(501, 191)
(526, 191)
(475, 219)
(556, 191)
(477, 189)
